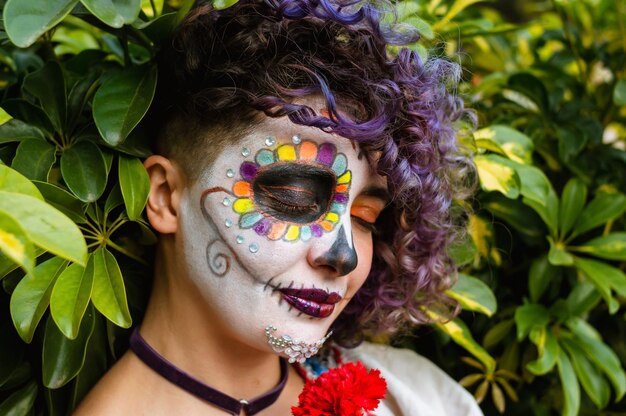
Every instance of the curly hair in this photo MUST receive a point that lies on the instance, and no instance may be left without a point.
(226, 66)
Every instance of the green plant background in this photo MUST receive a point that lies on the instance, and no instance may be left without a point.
(542, 282)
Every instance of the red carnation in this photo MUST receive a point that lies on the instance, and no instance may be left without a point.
(344, 391)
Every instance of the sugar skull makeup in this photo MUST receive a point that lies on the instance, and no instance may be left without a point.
(293, 192)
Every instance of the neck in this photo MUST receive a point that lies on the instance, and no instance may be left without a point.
(174, 326)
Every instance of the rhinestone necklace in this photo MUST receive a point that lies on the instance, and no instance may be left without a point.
(175, 375)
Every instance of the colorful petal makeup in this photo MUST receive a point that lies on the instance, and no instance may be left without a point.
(294, 192)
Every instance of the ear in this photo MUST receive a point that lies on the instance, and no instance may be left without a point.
(167, 183)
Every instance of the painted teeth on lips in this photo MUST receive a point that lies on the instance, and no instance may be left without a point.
(313, 302)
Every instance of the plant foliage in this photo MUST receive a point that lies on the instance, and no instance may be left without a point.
(542, 283)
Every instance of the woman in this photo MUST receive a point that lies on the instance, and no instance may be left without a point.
(301, 189)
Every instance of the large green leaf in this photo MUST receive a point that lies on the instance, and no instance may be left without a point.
(45, 226)
(95, 362)
(611, 246)
(31, 297)
(114, 13)
(109, 293)
(539, 277)
(603, 208)
(558, 254)
(62, 200)
(572, 203)
(70, 297)
(589, 375)
(25, 21)
(84, 170)
(569, 383)
(21, 402)
(530, 316)
(474, 295)
(30, 113)
(600, 354)
(460, 333)
(122, 101)
(515, 145)
(548, 349)
(12, 181)
(48, 85)
(619, 93)
(63, 357)
(16, 130)
(34, 159)
(135, 185)
(14, 243)
(605, 278)
(497, 176)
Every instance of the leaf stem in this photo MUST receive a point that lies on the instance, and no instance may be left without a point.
(126, 253)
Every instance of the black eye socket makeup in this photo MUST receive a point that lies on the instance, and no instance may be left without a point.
(294, 192)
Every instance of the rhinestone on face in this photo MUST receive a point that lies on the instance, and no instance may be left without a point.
(270, 141)
(296, 139)
(230, 173)
(245, 152)
(228, 223)
(239, 239)
(226, 202)
(253, 248)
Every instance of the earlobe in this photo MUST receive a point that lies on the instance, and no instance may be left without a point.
(166, 185)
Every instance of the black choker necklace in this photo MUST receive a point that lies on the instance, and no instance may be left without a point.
(169, 371)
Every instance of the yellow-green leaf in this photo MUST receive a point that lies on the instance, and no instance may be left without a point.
(496, 176)
(474, 295)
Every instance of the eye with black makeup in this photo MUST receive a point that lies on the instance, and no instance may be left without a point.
(294, 192)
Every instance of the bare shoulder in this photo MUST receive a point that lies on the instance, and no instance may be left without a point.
(125, 389)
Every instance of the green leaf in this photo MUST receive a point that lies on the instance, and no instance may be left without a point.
(45, 226)
(31, 114)
(63, 358)
(25, 21)
(461, 335)
(515, 145)
(572, 203)
(594, 384)
(4, 116)
(582, 299)
(548, 350)
(122, 101)
(109, 294)
(34, 159)
(223, 4)
(114, 13)
(135, 185)
(605, 278)
(96, 363)
(474, 295)
(457, 7)
(539, 277)
(600, 354)
(16, 130)
(569, 383)
(14, 243)
(611, 246)
(531, 87)
(15, 182)
(21, 402)
(497, 333)
(48, 85)
(84, 170)
(619, 93)
(522, 218)
(530, 316)
(497, 176)
(558, 254)
(70, 297)
(62, 200)
(31, 297)
(603, 208)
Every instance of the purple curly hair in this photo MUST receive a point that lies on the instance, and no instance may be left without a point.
(225, 66)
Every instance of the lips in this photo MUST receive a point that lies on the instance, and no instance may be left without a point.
(317, 303)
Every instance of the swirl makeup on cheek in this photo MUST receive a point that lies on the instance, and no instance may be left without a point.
(294, 192)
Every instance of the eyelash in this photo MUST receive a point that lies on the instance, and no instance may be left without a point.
(294, 209)
(369, 226)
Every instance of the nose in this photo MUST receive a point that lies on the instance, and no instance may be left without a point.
(341, 256)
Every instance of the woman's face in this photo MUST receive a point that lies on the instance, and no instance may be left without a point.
(277, 232)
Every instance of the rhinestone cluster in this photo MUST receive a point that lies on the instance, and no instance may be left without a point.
(295, 349)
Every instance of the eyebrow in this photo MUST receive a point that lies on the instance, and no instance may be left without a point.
(379, 192)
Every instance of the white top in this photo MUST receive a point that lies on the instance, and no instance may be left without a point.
(415, 386)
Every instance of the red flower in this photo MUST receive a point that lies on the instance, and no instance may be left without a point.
(343, 391)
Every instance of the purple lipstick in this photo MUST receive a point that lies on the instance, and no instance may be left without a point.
(317, 303)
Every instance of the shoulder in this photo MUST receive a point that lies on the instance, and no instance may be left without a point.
(415, 385)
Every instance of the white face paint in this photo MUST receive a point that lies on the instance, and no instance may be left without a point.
(267, 232)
